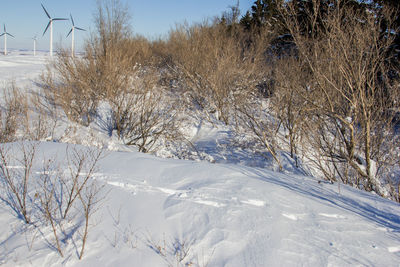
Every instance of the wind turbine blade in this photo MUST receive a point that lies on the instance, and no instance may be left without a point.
(5, 28)
(73, 24)
(69, 33)
(47, 27)
(60, 19)
(80, 29)
(2, 34)
(10, 34)
(47, 13)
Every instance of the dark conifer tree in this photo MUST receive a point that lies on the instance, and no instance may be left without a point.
(263, 13)
(246, 21)
(258, 13)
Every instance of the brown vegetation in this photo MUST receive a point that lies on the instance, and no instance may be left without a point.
(322, 91)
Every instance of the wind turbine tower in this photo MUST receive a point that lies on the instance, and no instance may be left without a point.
(50, 24)
(34, 45)
(73, 35)
(5, 33)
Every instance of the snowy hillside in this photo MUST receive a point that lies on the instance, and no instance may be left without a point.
(166, 212)
(226, 215)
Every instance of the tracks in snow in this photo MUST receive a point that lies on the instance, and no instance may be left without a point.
(204, 196)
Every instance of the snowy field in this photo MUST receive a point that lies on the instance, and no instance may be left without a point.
(167, 212)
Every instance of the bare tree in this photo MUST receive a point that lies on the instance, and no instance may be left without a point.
(112, 21)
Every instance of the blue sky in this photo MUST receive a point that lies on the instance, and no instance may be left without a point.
(25, 18)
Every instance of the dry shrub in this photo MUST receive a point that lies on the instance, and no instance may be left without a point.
(254, 111)
(14, 114)
(23, 116)
(58, 191)
(15, 179)
(74, 84)
(140, 51)
(178, 252)
(143, 112)
(90, 199)
(214, 66)
(112, 22)
(82, 164)
(43, 119)
(48, 198)
(289, 109)
(258, 121)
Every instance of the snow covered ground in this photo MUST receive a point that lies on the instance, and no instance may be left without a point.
(169, 212)
(21, 67)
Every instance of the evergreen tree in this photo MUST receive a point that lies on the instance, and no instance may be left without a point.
(263, 13)
(258, 13)
(246, 21)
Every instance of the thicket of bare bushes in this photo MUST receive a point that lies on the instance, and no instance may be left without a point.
(348, 94)
(23, 117)
(222, 71)
(216, 67)
(322, 92)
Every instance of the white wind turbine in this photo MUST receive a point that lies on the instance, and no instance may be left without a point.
(5, 33)
(34, 45)
(50, 24)
(73, 35)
